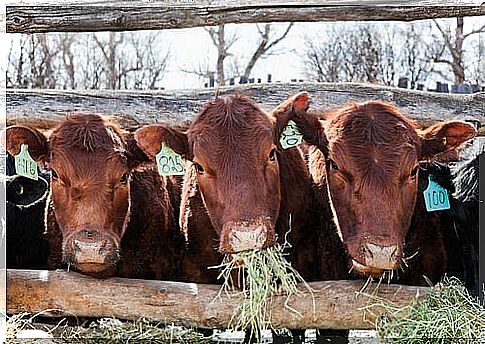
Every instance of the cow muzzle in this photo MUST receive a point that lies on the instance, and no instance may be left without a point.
(246, 235)
(91, 251)
(378, 258)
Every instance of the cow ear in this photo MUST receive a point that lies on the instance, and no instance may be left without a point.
(296, 104)
(309, 124)
(444, 137)
(15, 136)
(151, 137)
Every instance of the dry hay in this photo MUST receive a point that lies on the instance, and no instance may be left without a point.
(447, 314)
(261, 274)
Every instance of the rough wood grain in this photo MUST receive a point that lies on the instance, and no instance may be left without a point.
(87, 15)
(339, 305)
(44, 108)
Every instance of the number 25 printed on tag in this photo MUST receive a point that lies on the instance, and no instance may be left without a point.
(436, 196)
(169, 163)
(291, 136)
(25, 165)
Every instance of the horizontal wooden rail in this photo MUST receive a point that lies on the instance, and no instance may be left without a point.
(44, 108)
(88, 15)
(338, 304)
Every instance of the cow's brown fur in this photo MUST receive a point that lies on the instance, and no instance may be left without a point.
(100, 187)
(231, 139)
(367, 161)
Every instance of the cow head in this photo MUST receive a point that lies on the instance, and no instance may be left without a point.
(90, 162)
(233, 147)
(372, 154)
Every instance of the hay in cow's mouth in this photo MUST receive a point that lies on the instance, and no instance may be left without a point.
(260, 275)
(448, 314)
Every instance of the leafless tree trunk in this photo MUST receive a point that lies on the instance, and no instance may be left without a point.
(265, 45)
(223, 44)
(450, 51)
(415, 63)
(66, 41)
(324, 61)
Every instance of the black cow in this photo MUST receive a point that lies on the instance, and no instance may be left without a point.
(459, 226)
(27, 246)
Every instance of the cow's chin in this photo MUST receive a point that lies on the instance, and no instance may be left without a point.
(367, 270)
(96, 269)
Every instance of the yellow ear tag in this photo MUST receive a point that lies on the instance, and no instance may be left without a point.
(169, 163)
(25, 165)
(291, 136)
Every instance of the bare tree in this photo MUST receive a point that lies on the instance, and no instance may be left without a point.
(450, 51)
(66, 42)
(94, 61)
(415, 63)
(324, 61)
(223, 44)
(265, 44)
(224, 70)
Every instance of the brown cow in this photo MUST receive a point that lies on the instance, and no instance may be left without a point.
(242, 188)
(108, 214)
(366, 169)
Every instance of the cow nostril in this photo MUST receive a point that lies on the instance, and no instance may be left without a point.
(76, 245)
(366, 251)
(393, 251)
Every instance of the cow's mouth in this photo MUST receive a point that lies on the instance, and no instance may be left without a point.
(96, 269)
(367, 270)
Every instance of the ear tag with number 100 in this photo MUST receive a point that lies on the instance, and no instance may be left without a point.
(291, 136)
(169, 163)
(436, 196)
(25, 165)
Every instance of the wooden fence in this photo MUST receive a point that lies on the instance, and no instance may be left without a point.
(337, 304)
(89, 15)
(43, 108)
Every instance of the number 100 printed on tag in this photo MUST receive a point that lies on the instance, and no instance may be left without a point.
(25, 165)
(291, 136)
(436, 196)
(169, 163)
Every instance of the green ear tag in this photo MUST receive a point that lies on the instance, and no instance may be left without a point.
(169, 163)
(25, 165)
(435, 196)
(291, 136)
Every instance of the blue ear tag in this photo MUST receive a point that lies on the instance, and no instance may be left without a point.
(291, 136)
(169, 163)
(25, 165)
(436, 196)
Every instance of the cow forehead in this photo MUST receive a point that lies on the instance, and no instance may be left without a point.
(231, 128)
(373, 146)
(88, 167)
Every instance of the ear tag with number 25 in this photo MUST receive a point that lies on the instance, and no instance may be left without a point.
(25, 165)
(436, 196)
(291, 136)
(169, 163)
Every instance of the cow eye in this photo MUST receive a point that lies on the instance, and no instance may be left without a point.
(54, 175)
(124, 178)
(332, 165)
(20, 190)
(414, 172)
(272, 155)
(198, 168)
